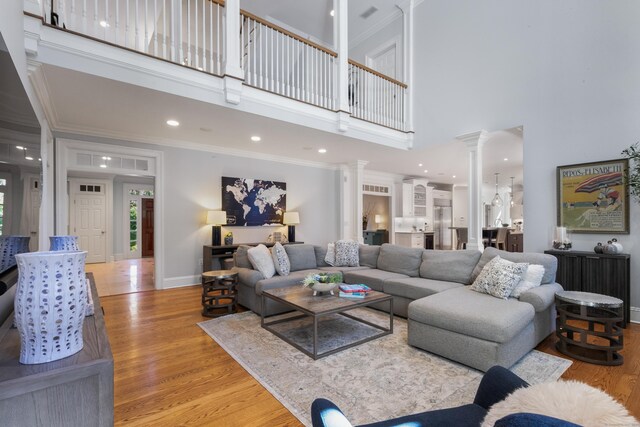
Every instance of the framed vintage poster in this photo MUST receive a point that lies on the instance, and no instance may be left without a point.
(594, 197)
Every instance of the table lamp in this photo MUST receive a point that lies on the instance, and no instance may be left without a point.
(290, 219)
(378, 220)
(216, 218)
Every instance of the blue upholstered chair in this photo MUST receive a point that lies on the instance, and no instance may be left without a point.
(496, 384)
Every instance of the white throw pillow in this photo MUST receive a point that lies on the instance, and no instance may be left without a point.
(260, 259)
(532, 278)
(566, 400)
(280, 260)
(347, 253)
(499, 277)
(330, 257)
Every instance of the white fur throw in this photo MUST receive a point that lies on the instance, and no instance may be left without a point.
(566, 400)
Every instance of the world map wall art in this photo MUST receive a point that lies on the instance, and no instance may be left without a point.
(253, 202)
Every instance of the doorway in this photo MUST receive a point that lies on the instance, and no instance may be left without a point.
(147, 228)
(88, 219)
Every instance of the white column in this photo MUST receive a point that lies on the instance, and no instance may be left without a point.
(407, 54)
(45, 225)
(352, 176)
(341, 19)
(474, 142)
(232, 70)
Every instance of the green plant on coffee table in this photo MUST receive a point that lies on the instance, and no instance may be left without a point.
(311, 279)
(633, 174)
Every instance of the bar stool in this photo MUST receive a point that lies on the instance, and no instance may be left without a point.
(219, 292)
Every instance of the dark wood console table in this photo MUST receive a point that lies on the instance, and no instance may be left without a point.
(213, 256)
(74, 391)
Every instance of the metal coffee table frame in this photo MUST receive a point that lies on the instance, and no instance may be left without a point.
(341, 306)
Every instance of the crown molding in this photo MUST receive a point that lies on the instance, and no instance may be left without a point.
(41, 87)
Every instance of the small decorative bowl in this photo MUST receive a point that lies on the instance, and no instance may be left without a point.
(322, 287)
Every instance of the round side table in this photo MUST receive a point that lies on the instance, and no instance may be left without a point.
(595, 333)
(219, 293)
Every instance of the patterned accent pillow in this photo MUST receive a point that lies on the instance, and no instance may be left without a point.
(347, 253)
(330, 257)
(280, 260)
(499, 277)
(532, 278)
(261, 260)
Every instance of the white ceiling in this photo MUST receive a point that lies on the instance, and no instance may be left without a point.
(87, 104)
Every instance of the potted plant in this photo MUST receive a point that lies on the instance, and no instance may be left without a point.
(633, 174)
(228, 238)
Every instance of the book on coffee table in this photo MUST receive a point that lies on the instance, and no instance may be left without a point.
(354, 288)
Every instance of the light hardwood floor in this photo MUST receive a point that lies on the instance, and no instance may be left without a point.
(123, 277)
(168, 372)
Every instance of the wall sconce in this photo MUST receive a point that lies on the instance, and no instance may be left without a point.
(217, 218)
(290, 219)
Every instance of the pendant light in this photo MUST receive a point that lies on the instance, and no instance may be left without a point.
(511, 194)
(497, 200)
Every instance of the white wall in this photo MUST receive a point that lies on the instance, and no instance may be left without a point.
(460, 204)
(391, 31)
(568, 71)
(193, 186)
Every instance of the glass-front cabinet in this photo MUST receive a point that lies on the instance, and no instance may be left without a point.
(417, 199)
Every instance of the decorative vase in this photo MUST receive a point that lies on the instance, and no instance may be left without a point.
(618, 246)
(50, 305)
(320, 288)
(63, 243)
(599, 249)
(9, 247)
(228, 240)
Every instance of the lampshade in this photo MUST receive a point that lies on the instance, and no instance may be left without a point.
(217, 217)
(377, 219)
(291, 218)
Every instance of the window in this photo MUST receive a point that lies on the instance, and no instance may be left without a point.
(3, 193)
(133, 225)
(143, 193)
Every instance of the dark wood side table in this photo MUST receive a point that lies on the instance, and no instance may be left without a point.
(219, 293)
(601, 339)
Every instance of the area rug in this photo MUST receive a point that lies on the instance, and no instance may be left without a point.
(381, 379)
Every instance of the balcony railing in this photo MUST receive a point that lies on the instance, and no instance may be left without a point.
(191, 33)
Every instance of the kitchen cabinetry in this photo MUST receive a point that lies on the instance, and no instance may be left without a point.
(598, 273)
(417, 199)
(410, 240)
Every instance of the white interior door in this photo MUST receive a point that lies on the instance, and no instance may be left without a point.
(384, 62)
(89, 222)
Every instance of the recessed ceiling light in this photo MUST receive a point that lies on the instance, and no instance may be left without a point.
(173, 123)
(454, 176)
(28, 158)
(256, 139)
(419, 165)
(322, 150)
(106, 158)
(103, 166)
(332, 13)
(39, 159)
(19, 147)
(426, 171)
(104, 24)
(505, 159)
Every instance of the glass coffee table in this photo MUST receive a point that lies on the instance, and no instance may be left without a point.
(325, 325)
(589, 327)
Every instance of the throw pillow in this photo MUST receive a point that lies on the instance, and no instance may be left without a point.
(261, 260)
(499, 277)
(280, 260)
(330, 257)
(347, 253)
(567, 400)
(531, 278)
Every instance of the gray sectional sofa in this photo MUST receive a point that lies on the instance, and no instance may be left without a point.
(429, 288)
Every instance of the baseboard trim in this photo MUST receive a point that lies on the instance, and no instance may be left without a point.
(635, 315)
(118, 257)
(179, 282)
